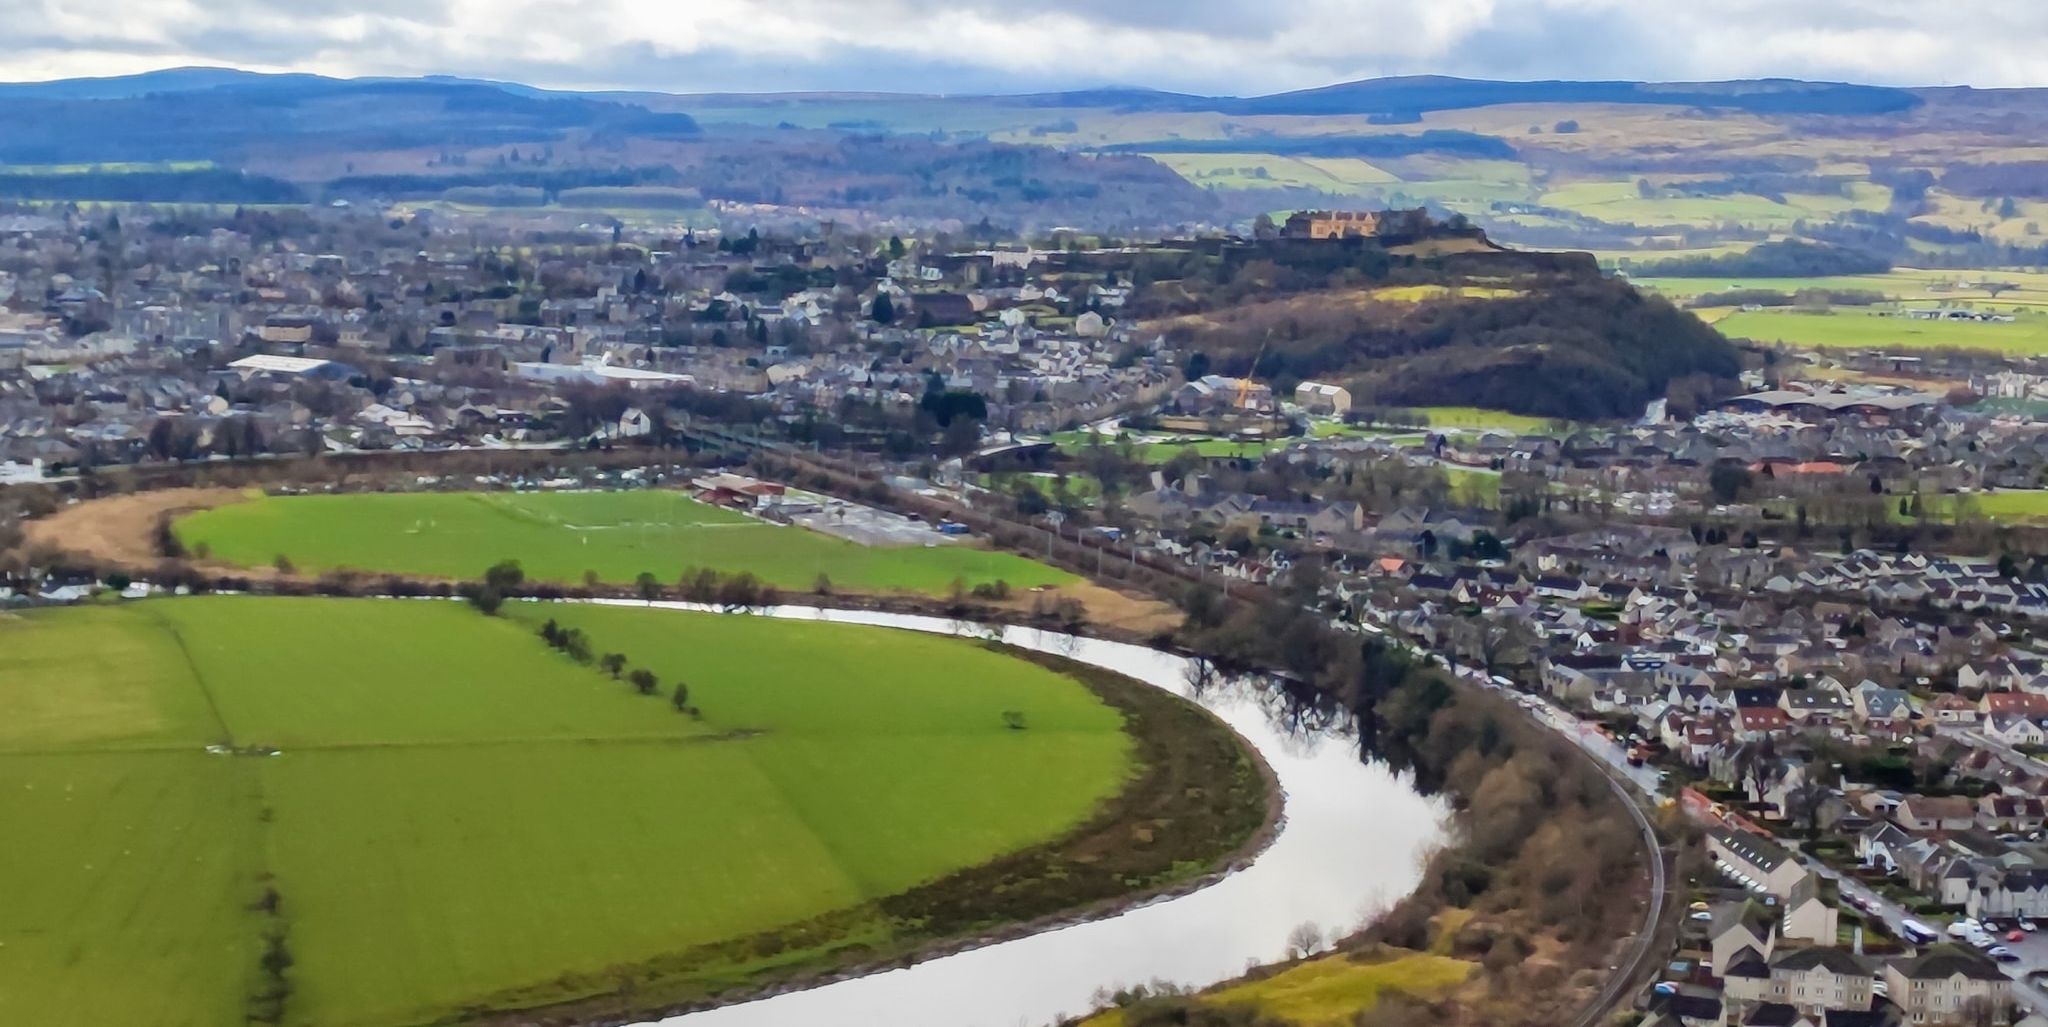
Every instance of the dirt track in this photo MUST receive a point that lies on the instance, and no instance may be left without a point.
(121, 529)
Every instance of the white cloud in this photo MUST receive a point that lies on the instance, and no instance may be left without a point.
(1214, 46)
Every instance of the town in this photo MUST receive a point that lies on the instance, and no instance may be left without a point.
(1796, 608)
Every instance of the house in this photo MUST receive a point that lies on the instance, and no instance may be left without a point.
(1323, 398)
(1802, 913)
(2015, 729)
(1810, 980)
(1923, 813)
(1945, 983)
(1873, 703)
(2010, 812)
(1741, 933)
(1949, 708)
(1754, 723)
(2019, 891)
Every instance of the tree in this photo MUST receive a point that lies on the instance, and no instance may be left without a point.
(1305, 940)
(613, 664)
(577, 645)
(883, 311)
(1014, 720)
(896, 247)
(1728, 480)
(504, 577)
(486, 599)
(649, 585)
(644, 681)
(680, 698)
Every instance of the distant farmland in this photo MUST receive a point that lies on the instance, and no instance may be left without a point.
(1857, 328)
(561, 536)
(435, 815)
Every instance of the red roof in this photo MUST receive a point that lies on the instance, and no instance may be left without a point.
(2024, 703)
(1762, 718)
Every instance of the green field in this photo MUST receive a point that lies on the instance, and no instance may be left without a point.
(1915, 286)
(1854, 328)
(1476, 419)
(457, 818)
(1273, 171)
(1620, 202)
(2006, 506)
(560, 536)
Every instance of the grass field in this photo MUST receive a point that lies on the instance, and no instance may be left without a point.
(1273, 171)
(1915, 286)
(2009, 506)
(1476, 419)
(1852, 328)
(559, 536)
(457, 814)
(1620, 202)
(1331, 991)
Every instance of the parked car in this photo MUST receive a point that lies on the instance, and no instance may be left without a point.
(2028, 925)
(2015, 935)
(2003, 954)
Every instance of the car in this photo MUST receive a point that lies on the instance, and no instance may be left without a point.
(2015, 935)
(1961, 929)
(1984, 941)
(1699, 907)
(1701, 916)
(2028, 925)
(2003, 954)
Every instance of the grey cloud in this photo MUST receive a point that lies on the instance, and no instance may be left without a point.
(1213, 46)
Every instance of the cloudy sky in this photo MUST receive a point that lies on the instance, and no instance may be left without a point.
(1238, 47)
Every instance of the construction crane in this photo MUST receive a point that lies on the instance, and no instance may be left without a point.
(1244, 384)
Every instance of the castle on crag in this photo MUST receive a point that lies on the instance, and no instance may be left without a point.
(1331, 224)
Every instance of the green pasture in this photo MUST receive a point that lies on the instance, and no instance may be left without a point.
(453, 818)
(561, 536)
(1478, 419)
(1859, 328)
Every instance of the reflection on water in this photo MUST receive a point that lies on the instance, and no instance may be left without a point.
(1353, 842)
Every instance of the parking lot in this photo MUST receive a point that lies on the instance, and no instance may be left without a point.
(867, 525)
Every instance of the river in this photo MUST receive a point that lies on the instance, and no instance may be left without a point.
(1353, 842)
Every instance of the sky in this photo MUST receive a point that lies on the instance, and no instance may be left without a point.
(1221, 47)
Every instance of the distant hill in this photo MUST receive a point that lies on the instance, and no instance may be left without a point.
(1421, 94)
(218, 116)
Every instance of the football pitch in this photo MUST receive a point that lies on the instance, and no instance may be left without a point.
(565, 536)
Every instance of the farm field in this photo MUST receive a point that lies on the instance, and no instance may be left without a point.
(1620, 202)
(1910, 285)
(1274, 171)
(456, 818)
(561, 536)
(1854, 328)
